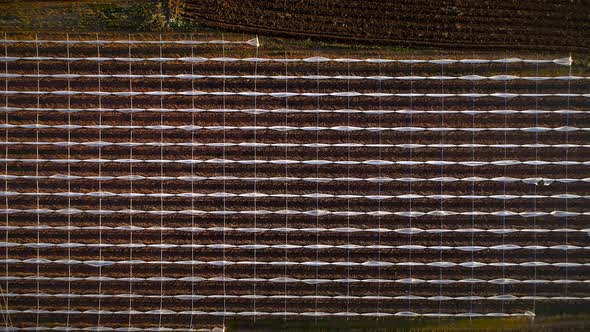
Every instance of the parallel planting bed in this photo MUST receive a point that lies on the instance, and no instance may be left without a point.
(150, 184)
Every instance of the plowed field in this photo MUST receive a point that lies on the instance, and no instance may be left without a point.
(187, 185)
(523, 25)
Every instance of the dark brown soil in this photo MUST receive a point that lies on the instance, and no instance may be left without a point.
(548, 25)
(27, 235)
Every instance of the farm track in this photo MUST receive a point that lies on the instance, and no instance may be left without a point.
(31, 184)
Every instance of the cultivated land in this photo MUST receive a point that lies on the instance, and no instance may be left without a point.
(289, 210)
(525, 25)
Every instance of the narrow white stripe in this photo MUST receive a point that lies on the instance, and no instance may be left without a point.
(414, 281)
(438, 264)
(311, 196)
(316, 213)
(158, 93)
(263, 313)
(472, 248)
(252, 42)
(293, 128)
(303, 162)
(304, 145)
(406, 231)
(534, 181)
(282, 111)
(190, 297)
(559, 61)
(301, 77)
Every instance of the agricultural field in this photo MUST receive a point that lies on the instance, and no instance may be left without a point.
(522, 25)
(168, 183)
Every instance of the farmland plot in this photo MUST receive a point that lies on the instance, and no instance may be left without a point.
(150, 184)
(522, 25)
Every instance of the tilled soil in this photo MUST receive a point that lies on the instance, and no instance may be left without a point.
(165, 208)
(548, 25)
